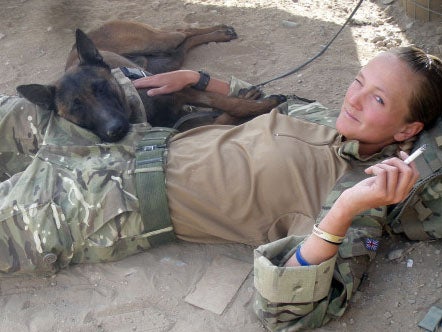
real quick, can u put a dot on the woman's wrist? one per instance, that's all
(339, 218)
(324, 242)
(191, 77)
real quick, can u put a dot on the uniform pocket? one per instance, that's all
(115, 249)
(35, 239)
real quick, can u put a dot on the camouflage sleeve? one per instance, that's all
(236, 85)
(74, 202)
(34, 233)
(311, 111)
(289, 299)
(22, 126)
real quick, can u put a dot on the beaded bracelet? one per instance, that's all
(330, 238)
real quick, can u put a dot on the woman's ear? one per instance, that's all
(408, 131)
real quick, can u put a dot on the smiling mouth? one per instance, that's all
(349, 115)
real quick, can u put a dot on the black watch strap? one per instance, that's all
(202, 82)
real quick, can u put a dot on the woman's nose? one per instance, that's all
(355, 99)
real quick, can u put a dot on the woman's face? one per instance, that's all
(376, 103)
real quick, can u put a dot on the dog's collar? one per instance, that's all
(132, 96)
(134, 73)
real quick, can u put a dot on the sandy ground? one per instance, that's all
(147, 292)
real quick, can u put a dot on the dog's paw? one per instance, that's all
(253, 93)
(230, 32)
(278, 99)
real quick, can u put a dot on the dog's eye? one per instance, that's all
(76, 104)
(99, 88)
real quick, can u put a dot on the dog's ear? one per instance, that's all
(87, 52)
(38, 94)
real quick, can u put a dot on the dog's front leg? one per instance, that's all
(236, 107)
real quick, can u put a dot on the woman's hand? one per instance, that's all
(167, 82)
(391, 182)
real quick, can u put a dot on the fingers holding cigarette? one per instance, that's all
(415, 154)
(395, 177)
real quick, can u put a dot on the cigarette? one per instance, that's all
(415, 154)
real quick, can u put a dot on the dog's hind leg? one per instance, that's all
(131, 38)
(167, 61)
(223, 33)
(189, 32)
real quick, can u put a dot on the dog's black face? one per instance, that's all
(90, 97)
(87, 95)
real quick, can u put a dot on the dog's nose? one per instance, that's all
(116, 131)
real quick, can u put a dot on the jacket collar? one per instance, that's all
(350, 150)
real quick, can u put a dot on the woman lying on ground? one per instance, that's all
(70, 199)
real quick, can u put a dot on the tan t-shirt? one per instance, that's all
(252, 183)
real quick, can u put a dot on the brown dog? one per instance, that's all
(88, 94)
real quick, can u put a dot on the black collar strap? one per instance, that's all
(134, 73)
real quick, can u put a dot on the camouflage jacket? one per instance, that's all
(65, 197)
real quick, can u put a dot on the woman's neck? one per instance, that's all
(368, 149)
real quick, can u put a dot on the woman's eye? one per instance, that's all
(379, 100)
(358, 81)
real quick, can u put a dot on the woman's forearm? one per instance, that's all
(177, 80)
(316, 250)
(218, 86)
(215, 85)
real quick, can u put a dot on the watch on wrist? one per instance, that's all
(202, 82)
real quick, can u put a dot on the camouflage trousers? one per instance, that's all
(64, 197)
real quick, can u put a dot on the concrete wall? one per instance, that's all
(423, 10)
